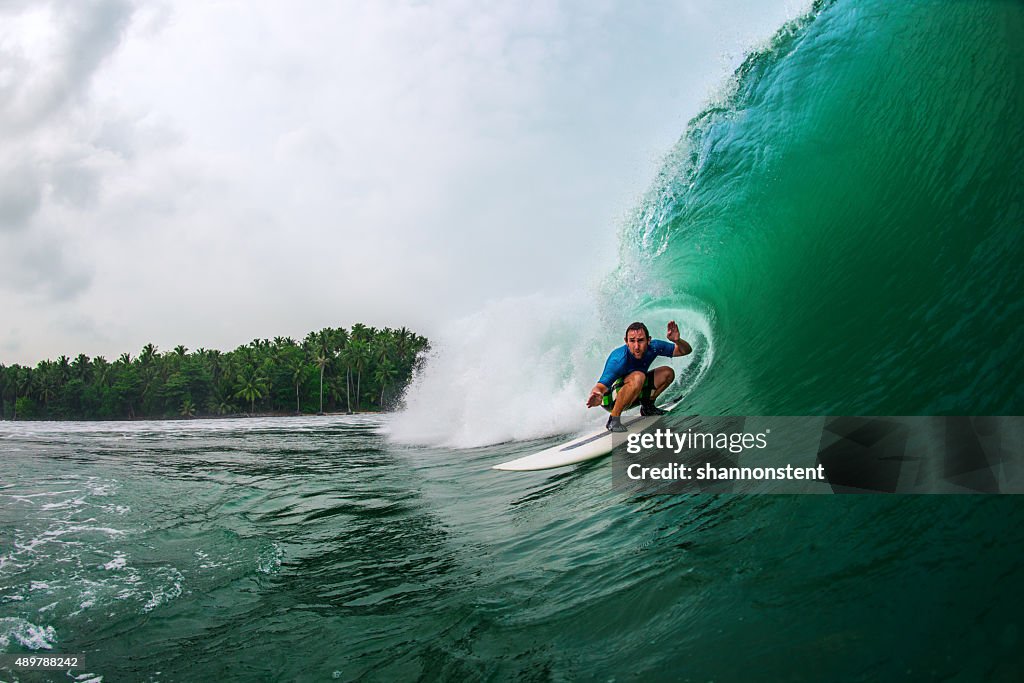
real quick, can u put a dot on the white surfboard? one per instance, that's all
(581, 448)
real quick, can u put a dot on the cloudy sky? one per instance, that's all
(204, 173)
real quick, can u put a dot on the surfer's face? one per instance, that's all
(637, 342)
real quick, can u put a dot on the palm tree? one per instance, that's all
(321, 345)
(188, 409)
(321, 361)
(359, 355)
(252, 387)
(309, 343)
(220, 402)
(214, 360)
(22, 385)
(63, 371)
(297, 369)
(47, 379)
(401, 341)
(80, 367)
(102, 370)
(8, 384)
(385, 374)
(147, 354)
(339, 345)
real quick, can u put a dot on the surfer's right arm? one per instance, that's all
(612, 370)
(596, 394)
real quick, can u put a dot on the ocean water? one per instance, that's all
(838, 232)
(312, 549)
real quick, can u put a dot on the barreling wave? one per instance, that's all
(849, 216)
(839, 231)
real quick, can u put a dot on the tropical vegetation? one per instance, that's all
(359, 369)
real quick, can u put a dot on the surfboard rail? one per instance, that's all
(579, 449)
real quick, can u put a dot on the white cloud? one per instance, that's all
(205, 173)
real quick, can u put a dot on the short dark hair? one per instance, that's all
(638, 326)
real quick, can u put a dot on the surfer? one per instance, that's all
(626, 373)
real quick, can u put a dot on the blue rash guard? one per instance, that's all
(621, 362)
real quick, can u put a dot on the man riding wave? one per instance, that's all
(626, 373)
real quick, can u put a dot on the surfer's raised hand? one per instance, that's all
(682, 347)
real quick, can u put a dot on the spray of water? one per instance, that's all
(522, 367)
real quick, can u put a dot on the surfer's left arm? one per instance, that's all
(682, 348)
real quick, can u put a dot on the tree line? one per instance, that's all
(331, 370)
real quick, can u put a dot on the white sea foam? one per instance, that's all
(66, 504)
(118, 562)
(28, 497)
(204, 561)
(97, 487)
(45, 494)
(519, 369)
(268, 559)
(26, 634)
(78, 528)
(170, 589)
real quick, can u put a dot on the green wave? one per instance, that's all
(848, 217)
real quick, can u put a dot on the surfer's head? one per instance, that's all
(637, 339)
